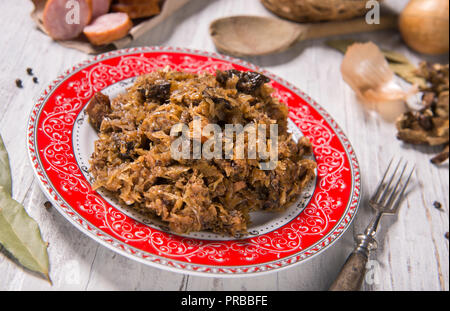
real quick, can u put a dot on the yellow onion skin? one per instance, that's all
(424, 25)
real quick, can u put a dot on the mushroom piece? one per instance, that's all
(430, 124)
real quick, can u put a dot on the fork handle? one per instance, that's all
(352, 273)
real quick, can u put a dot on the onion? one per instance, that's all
(424, 26)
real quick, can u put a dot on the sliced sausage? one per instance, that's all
(100, 7)
(108, 28)
(138, 9)
(97, 109)
(135, 1)
(66, 19)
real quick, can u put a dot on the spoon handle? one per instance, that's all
(358, 25)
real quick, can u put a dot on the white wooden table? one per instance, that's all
(413, 253)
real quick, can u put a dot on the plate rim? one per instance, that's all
(46, 185)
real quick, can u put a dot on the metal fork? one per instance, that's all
(386, 201)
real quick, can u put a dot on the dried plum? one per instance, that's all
(223, 76)
(249, 82)
(159, 92)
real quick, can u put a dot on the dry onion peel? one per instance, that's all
(367, 72)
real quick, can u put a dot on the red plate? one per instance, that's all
(60, 142)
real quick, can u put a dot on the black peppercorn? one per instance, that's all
(437, 205)
(48, 205)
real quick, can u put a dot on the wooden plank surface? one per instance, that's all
(413, 252)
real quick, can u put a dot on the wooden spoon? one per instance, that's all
(256, 35)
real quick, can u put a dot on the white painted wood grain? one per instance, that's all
(413, 253)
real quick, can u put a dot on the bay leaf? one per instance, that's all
(408, 73)
(396, 57)
(21, 237)
(5, 170)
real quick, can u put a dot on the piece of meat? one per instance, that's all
(100, 7)
(97, 109)
(108, 28)
(136, 9)
(65, 19)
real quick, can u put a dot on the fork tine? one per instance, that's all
(387, 190)
(380, 185)
(402, 193)
(394, 193)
